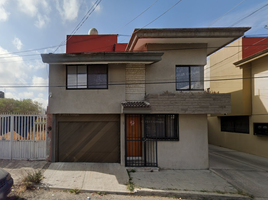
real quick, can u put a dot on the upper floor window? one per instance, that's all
(189, 77)
(87, 76)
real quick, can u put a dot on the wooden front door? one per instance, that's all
(133, 136)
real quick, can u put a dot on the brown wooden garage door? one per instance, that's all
(97, 140)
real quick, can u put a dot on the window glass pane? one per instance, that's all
(155, 126)
(182, 78)
(197, 77)
(242, 124)
(236, 124)
(227, 124)
(71, 77)
(97, 76)
(82, 77)
(171, 130)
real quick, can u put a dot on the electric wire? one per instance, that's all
(225, 13)
(136, 17)
(90, 11)
(137, 83)
(252, 13)
(164, 49)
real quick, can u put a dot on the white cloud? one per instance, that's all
(29, 7)
(36, 8)
(40, 95)
(41, 21)
(44, 102)
(98, 8)
(39, 81)
(10, 95)
(13, 71)
(38, 64)
(3, 13)
(26, 95)
(68, 9)
(17, 43)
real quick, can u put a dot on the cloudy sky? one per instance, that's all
(31, 27)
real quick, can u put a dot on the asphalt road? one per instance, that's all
(246, 172)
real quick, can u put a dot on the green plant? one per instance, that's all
(101, 193)
(130, 186)
(75, 191)
(32, 178)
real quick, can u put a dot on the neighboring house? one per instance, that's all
(243, 68)
(141, 104)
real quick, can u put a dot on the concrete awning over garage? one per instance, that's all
(215, 38)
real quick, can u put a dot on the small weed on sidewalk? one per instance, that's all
(75, 191)
(32, 178)
(130, 185)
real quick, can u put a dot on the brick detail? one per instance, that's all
(135, 82)
(190, 103)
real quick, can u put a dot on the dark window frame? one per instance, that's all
(235, 122)
(87, 88)
(167, 137)
(259, 129)
(189, 78)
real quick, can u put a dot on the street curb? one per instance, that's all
(165, 193)
(83, 190)
(228, 181)
(190, 194)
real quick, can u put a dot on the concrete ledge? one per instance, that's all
(143, 169)
(190, 194)
(83, 190)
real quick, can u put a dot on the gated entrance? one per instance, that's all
(23, 137)
(141, 150)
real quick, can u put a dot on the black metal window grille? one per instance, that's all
(261, 129)
(161, 127)
(189, 78)
(236, 124)
(87, 76)
(142, 134)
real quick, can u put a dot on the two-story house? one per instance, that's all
(141, 104)
(241, 70)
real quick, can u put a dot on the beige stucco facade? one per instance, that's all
(68, 101)
(146, 72)
(191, 152)
(249, 98)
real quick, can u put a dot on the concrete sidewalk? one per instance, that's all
(20, 168)
(103, 177)
(185, 183)
(248, 173)
(220, 182)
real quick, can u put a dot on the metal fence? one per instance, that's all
(23, 137)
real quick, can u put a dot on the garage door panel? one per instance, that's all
(89, 141)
